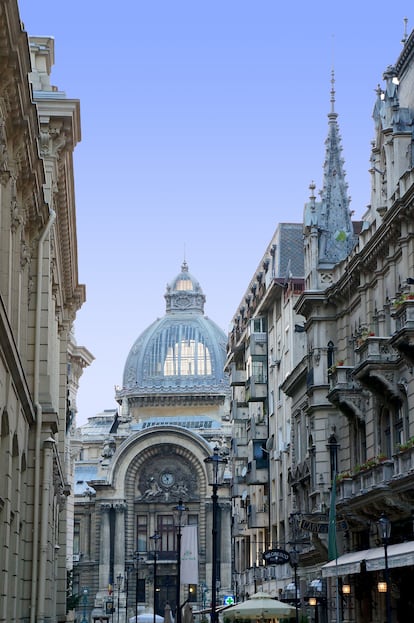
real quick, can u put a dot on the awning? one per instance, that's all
(399, 555)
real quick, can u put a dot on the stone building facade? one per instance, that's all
(39, 298)
(339, 439)
(137, 463)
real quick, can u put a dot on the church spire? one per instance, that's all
(329, 219)
(336, 232)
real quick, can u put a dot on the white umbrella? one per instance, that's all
(146, 617)
(260, 606)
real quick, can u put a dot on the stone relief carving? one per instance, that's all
(167, 479)
(109, 448)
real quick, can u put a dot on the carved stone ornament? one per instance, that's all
(168, 479)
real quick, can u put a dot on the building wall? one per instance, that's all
(342, 423)
(39, 298)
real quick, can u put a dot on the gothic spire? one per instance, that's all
(335, 226)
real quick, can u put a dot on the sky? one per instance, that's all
(203, 125)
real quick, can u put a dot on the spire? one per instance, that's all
(336, 237)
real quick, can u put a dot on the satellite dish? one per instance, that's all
(244, 471)
(244, 494)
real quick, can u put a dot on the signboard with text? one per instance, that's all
(276, 556)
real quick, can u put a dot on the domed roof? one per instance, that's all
(183, 352)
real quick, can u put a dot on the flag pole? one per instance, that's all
(332, 543)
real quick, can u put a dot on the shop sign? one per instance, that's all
(276, 556)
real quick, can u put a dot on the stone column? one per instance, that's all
(104, 549)
(119, 554)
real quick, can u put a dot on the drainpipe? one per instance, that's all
(38, 408)
(44, 524)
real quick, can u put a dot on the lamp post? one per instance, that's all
(119, 579)
(385, 529)
(179, 514)
(215, 467)
(155, 538)
(85, 602)
(294, 561)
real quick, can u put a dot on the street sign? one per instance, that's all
(276, 556)
(228, 600)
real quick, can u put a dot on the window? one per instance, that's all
(260, 454)
(166, 530)
(258, 325)
(142, 533)
(259, 369)
(76, 538)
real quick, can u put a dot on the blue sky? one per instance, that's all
(203, 124)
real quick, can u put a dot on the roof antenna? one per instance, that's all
(404, 39)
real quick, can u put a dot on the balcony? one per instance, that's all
(340, 378)
(403, 338)
(256, 388)
(345, 392)
(404, 462)
(258, 344)
(376, 351)
(376, 367)
(239, 526)
(371, 475)
(237, 375)
(257, 472)
(257, 516)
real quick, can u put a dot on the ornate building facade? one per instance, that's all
(336, 469)
(39, 298)
(138, 463)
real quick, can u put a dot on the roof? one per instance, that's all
(182, 353)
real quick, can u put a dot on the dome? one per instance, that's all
(183, 352)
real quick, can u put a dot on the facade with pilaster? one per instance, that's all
(39, 298)
(137, 462)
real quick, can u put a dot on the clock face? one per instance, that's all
(167, 479)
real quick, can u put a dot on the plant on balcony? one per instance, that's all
(370, 463)
(405, 446)
(363, 335)
(343, 475)
(408, 296)
(334, 366)
(381, 458)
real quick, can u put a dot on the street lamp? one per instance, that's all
(216, 465)
(85, 602)
(119, 579)
(179, 519)
(385, 529)
(155, 538)
(294, 561)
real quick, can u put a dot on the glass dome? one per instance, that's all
(182, 352)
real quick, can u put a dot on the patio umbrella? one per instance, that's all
(146, 617)
(260, 606)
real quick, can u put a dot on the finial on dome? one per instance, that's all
(184, 267)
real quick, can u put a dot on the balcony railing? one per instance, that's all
(404, 315)
(367, 478)
(404, 462)
(375, 350)
(340, 378)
